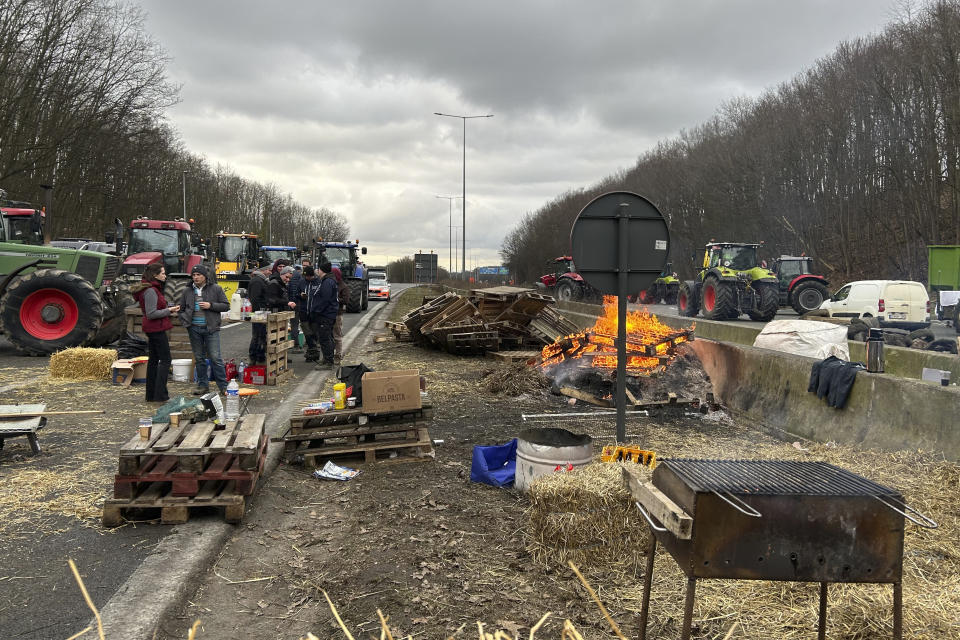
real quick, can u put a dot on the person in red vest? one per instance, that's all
(156, 322)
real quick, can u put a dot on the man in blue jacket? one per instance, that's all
(321, 306)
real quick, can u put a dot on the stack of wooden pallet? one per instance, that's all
(354, 433)
(486, 321)
(278, 342)
(178, 469)
(178, 336)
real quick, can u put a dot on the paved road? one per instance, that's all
(38, 596)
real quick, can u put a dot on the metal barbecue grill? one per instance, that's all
(773, 520)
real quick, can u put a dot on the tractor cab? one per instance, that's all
(346, 257)
(559, 266)
(269, 255)
(168, 240)
(737, 257)
(237, 256)
(20, 223)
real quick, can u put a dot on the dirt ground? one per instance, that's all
(438, 554)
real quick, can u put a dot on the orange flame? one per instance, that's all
(643, 330)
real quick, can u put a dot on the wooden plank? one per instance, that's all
(570, 392)
(221, 440)
(248, 437)
(659, 505)
(198, 437)
(137, 445)
(423, 438)
(170, 437)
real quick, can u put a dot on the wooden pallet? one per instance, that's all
(162, 469)
(372, 451)
(194, 444)
(349, 434)
(176, 509)
(514, 356)
(399, 331)
(278, 368)
(301, 424)
(476, 342)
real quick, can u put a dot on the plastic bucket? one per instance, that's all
(541, 451)
(182, 369)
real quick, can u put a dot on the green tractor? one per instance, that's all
(52, 298)
(731, 283)
(664, 289)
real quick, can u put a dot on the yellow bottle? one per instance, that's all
(339, 395)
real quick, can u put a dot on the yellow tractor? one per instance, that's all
(238, 255)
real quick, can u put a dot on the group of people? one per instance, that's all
(318, 296)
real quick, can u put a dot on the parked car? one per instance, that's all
(894, 303)
(379, 288)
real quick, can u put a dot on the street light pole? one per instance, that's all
(463, 266)
(184, 195)
(450, 200)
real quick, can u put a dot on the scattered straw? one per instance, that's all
(82, 363)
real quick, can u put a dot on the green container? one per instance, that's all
(943, 267)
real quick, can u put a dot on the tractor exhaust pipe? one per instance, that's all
(48, 209)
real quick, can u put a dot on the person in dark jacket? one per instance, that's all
(322, 307)
(343, 297)
(278, 299)
(293, 291)
(307, 290)
(200, 312)
(156, 322)
(257, 293)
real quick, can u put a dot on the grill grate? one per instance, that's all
(773, 478)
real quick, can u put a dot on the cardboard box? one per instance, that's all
(385, 391)
(126, 371)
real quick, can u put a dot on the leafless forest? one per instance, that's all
(83, 90)
(855, 161)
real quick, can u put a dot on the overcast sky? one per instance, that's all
(334, 101)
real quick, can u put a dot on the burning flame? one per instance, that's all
(598, 342)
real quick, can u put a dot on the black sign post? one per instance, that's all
(620, 243)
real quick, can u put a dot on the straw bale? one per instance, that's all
(82, 363)
(586, 516)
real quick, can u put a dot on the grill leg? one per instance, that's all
(822, 621)
(688, 609)
(897, 610)
(647, 582)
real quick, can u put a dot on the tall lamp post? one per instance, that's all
(463, 266)
(450, 200)
(184, 195)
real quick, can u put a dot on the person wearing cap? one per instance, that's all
(322, 307)
(200, 311)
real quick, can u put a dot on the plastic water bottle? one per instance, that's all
(232, 409)
(236, 306)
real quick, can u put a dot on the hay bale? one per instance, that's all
(586, 516)
(82, 363)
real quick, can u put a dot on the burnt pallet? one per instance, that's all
(167, 470)
(373, 451)
(549, 326)
(176, 509)
(194, 444)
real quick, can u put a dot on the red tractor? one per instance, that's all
(800, 288)
(171, 241)
(566, 284)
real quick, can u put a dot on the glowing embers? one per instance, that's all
(650, 343)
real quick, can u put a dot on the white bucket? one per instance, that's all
(540, 451)
(182, 369)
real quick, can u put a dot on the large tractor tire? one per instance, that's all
(114, 317)
(366, 296)
(49, 310)
(688, 304)
(718, 299)
(357, 289)
(568, 290)
(808, 296)
(670, 297)
(768, 303)
(173, 290)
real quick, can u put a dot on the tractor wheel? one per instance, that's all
(719, 299)
(671, 295)
(807, 296)
(366, 297)
(114, 317)
(567, 290)
(49, 310)
(687, 303)
(173, 290)
(357, 289)
(768, 303)
(645, 297)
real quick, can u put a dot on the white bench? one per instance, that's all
(29, 426)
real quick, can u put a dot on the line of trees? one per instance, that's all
(855, 161)
(83, 90)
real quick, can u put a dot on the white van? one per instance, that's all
(895, 303)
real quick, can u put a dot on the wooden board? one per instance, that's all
(369, 449)
(658, 505)
(176, 509)
(514, 356)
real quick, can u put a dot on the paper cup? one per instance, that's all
(351, 402)
(145, 432)
(175, 419)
